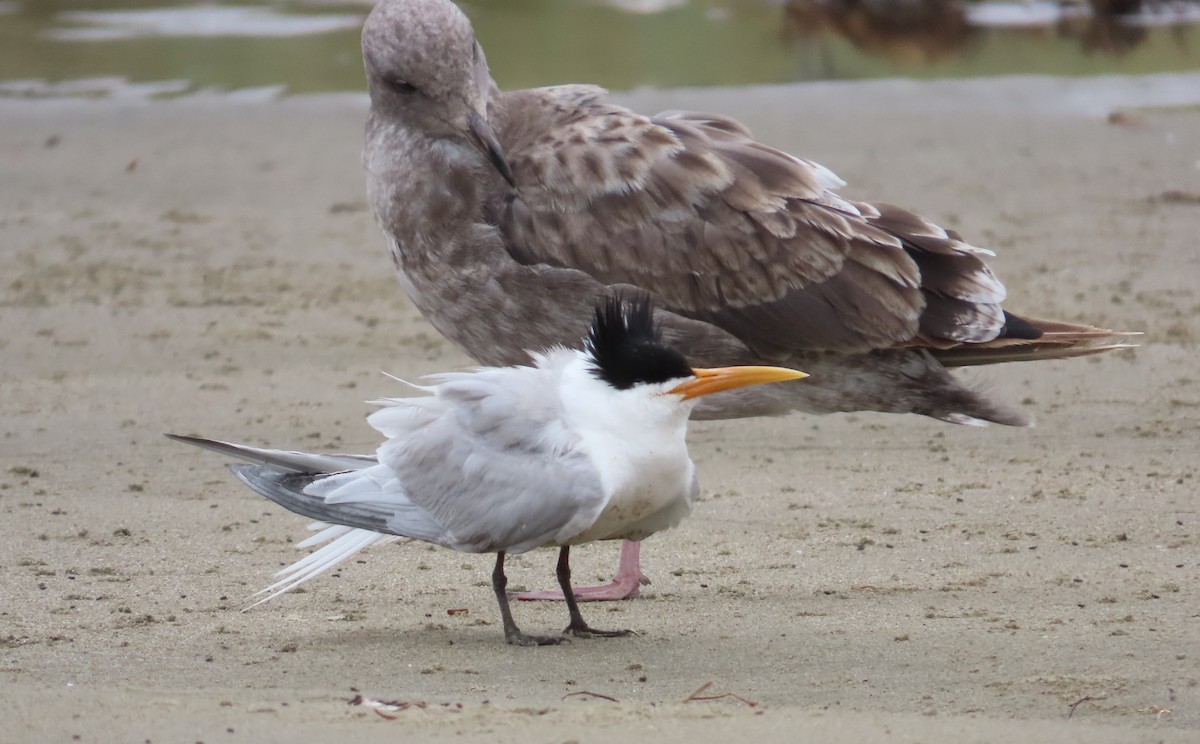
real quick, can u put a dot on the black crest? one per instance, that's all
(627, 346)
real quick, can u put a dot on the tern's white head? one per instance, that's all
(638, 379)
(625, 400)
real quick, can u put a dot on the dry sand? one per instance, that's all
(208, 266)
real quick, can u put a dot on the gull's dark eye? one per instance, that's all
(400, 86)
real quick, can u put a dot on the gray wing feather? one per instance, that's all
(296, 462)
(285, 478)
(291, 491)
(295, 481)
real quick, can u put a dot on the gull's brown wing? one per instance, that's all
(722, 228)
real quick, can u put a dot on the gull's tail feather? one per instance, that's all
(1035, 340)
(295, 462)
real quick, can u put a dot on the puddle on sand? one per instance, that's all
(211, 20)
(138, 48)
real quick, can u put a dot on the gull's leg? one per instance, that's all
(512, 633)
(625, 585)
(578, 627)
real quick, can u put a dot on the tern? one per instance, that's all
(582, 445)
(508, 213)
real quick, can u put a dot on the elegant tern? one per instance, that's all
(582, 445)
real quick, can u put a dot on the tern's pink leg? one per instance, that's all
(625, 585)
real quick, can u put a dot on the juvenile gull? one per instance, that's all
(581, 446)
(507, 213)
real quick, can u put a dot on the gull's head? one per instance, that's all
(422, 54)
(425, 68)
(626, 350)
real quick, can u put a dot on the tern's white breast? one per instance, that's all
(635, 439)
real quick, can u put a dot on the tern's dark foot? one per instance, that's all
(524, 639)
(583, 631)
(578, 627)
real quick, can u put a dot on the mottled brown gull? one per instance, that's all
(507, 213)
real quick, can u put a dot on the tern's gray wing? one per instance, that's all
(487, 458)
(282, 476)
(299, 482)
(296, 462)
(722, 228)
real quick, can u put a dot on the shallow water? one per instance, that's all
(158, 47)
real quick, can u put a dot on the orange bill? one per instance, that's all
(717, 379)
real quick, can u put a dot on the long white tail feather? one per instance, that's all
(313, 565)
(327, 532)
(333, 533)
(318, 555)
(341, 549)
(329, 556)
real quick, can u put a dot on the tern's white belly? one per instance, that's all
(657, 499)
(634, 441)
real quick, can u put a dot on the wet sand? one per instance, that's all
(208, 266)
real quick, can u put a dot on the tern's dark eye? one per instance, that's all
(400, 86)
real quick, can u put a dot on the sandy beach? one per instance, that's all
(207, 265)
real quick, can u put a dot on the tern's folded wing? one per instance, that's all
(490, 460)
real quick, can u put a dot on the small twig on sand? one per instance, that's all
(697, 697)
(1074, 705)
(591, 694)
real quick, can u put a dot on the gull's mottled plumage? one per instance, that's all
(508, 212)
